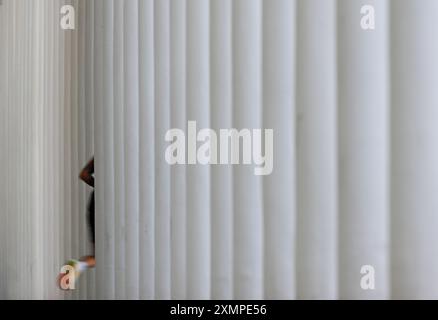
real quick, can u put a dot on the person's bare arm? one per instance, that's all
(87, 173)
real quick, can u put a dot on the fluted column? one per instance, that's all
(131, 142)
(316, 117)
(414, 151)
(90, 277)
(278, 115)
(363, 149)
(108, 216)
(198, 176)
(4, 25)
(83, 157)
(162, 169)
(221, 176)
(178, 119)
(147, 155)
(119, 159)
(247, 113)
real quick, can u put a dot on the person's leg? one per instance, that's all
(85, 262)
(90, 260)
(91, 224)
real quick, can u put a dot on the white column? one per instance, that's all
(316, 150)
(119, 167)
(198, 176)
(23, 49)
(38, 149)
(29, 126)
(131, 130)
(11, 208)
(90, 277)
(51, 150)
(279, 115)
(100, 160)
(247, 113)
(67, 227)
(4, 88)
(25, 150)
(162, 169)
(221, 175)
(61, 212)
(19, 163)
(45, 145)
(107, 218)
(75, 162)
(178, 119)
(414, 151)
(58, 139)
(147, 154)
(363, 149)
(82, 155)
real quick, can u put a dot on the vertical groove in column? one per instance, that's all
(16, 136)
(28, 150)
(4, 25)
(131, 129)
(18, 158)
(10, 217)
(107, 112)
(247, 113)
(29, 157)
(279, 115)
(82, 156)
(27, 75)
(221, 176)
(25, 154)
(64, 209)
(198, 176)
(11, 138)
(162, 169)
(67, 226)
(316, 150)
(29, 162)
(3, 97)
(47, 165)
(100, 161)
(18, 164)
(34, 147)
(119, 167)
(8, 168)
(90, 279)
(74, 140)
(19, 146)
(51, 120)
(147, 154)
(178, 119)
(414, 150)
(24, 150)
(363, 149)
(44, 144)
(40, 40)
(58, 138)
(2, 147)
